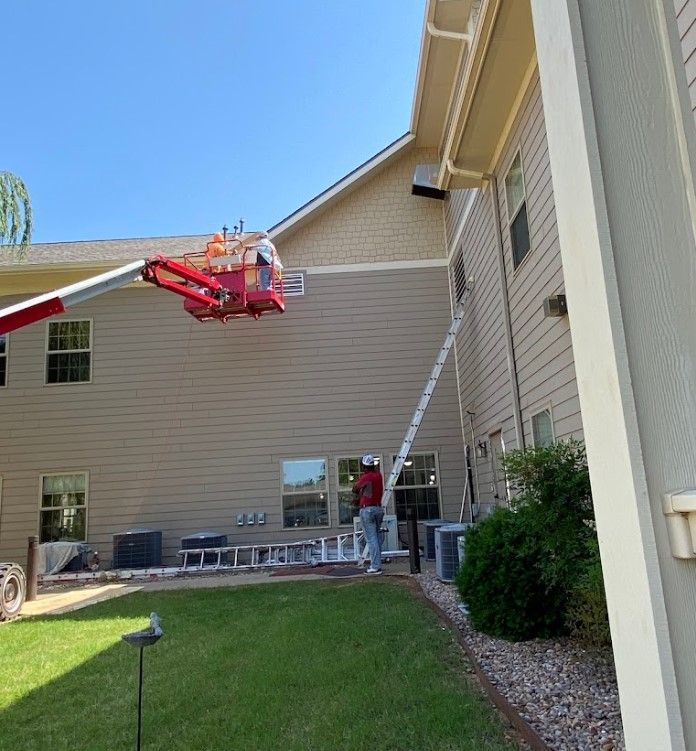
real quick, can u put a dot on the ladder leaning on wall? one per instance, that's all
(422, 406)
(424, 401)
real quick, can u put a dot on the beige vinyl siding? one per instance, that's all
(543, 348)
(480, 346)
(455, 206)
(185, 424)
(686, 26)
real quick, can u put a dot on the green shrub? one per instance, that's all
(526, 567)
(500, 582)
(586, 614)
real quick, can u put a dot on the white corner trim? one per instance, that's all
(454, 243)
(345, 268)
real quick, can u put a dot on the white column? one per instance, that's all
(621, 143)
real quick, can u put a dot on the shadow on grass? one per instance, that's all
(298, 666)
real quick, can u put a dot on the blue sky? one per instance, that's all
(171, 117)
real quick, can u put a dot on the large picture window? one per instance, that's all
(63, 514)
(418, 486)
(3, 360)
(517, 211)
(349, 470)
(69, 352)
(305, 493)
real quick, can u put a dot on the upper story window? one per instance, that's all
(349, 469)
(542, 428)
(3, 360)
(69, 352)
(517, 211)
(418, 486)
(305, 493)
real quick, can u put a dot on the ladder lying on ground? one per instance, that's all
(337, 549)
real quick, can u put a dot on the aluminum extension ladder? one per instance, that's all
(424, 400)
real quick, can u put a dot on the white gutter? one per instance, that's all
(443, 34)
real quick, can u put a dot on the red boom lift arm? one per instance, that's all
(157, 270)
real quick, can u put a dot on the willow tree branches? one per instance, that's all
(15, 212)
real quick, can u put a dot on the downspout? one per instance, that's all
(459, 399)
(512, 368)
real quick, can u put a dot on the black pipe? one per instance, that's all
(412, 533)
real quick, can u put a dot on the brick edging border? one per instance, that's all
(524, 729)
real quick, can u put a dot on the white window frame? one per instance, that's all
(6, 356)
(438, 485)
(340, 488)
(545, 408)
(283, 492)
(67, 351)
(42, 508)
(511, 218)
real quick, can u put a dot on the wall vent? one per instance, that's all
(293, 284)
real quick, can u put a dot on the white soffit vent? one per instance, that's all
(293, 284)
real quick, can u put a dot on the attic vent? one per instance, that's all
(293, 284)
(458, 276)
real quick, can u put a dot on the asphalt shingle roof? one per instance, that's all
(102, 250)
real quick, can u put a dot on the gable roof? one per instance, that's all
(343, 187)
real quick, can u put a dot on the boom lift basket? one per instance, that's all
(253, 284)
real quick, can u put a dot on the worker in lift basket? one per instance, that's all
(267, 260)
(368, 489)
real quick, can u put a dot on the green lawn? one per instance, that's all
(295, 666)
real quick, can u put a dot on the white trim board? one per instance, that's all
(345, 268)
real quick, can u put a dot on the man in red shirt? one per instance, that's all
(369, 488)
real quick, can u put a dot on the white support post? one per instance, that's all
(622, 145)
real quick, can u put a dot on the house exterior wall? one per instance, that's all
(378, 221)
(185, 424)
(686, 26)
(542, 346)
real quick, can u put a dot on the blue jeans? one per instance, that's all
(265, 277)
(371, 518)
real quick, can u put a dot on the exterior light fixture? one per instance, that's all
(481, 450)
(555, 306)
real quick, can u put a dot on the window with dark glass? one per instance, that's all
(305, 494)
(63, 514)
(517, 211)
(68, 353)
(418, 486)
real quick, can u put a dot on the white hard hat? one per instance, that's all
(368, 460)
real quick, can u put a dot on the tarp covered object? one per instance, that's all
(55, 556)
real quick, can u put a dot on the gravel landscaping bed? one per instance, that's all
(567, 694)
